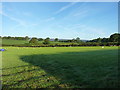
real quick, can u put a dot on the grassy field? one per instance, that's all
(17, 42)
(60, 67)
(13, 42)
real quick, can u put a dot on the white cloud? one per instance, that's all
(78, 13)
(65, 7)
(19, 21)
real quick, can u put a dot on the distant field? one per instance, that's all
(17, 42)
(13, 42)
(60, 67)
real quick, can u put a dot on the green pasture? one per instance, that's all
(60, 67)
(14, 42)
(18, 42)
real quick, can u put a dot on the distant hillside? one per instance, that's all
(13, 42)
(85, 40)
(67, 39)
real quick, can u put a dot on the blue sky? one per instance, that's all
(87, 20)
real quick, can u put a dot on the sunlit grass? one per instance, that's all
(49, 67)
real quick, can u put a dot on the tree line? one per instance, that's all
(114, 39)
(47, 40)
(15, 38)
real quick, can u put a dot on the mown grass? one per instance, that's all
(60, 67)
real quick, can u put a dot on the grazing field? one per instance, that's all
(17, 42)
(13, 42)
(60, 67)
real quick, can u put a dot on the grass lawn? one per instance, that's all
(60, 67)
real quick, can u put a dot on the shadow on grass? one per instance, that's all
(93, 69)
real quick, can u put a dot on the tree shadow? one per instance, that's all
(81, 69)
(92, 69)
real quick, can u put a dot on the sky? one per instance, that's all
(64, 20)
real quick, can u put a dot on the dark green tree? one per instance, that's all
(99, 39)
(46, 41)
(73, 40)
(33, 41)
(115, 37)
(105, 40)
(56, 39)
(40, 39)
(26, 38)
(9, 37)
(48, 38)
(77, 39)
